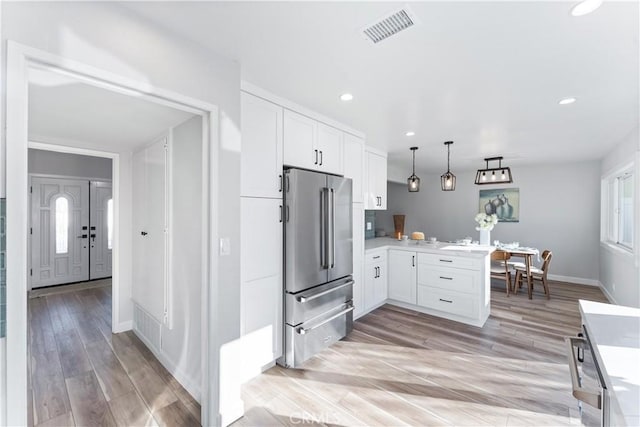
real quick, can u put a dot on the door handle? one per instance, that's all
(303, 331)
(305, 298)
(332, 206)
(316, 162)
(93, 237)
(143, 233)
(320, 157)
(280, 184)
(280, 213)
(592, 398)
(83, 236)
(324, 214)
(413, 261)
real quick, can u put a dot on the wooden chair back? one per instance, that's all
(499, 255)
(546, 260)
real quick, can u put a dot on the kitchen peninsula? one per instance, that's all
(441, 279)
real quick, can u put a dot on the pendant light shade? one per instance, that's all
(413, 182)
(448, 180)
(499, 175)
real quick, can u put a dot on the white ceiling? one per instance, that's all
(487, 75)
(63, 109)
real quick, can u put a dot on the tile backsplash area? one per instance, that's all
(369, 224)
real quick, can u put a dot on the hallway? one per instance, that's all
(82, 374)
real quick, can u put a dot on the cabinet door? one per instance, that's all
(300, 135)
(402, 276)
(380, 285)
(370, 279)
(353, 158)
(376, 181)
(358, 259)
(329, 146)
(261, 276)
(261, 157)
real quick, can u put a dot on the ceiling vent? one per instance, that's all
(389, 25)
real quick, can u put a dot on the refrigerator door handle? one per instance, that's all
(324, 228)
(332, 234)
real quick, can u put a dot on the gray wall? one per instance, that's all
(52, 163)
(559, 210)
(620, 271)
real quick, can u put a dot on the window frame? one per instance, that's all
(612, 227)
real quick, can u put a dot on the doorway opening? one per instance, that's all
(91, 340)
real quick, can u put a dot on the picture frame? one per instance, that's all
(504, 202)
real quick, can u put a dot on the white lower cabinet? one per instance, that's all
(261, 278)
(375, 282)
(402, 276)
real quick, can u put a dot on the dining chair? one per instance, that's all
(536, 274)
(500, 269)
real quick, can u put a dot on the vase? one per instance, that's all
(398, 223)
(485, 237)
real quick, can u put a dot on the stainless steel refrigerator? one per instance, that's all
(318, 263)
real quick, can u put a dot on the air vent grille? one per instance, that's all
(389, 25)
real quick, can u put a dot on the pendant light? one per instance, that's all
(499, 175)
(413, 182)
(448, 180)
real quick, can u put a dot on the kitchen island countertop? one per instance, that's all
(614, 332)
(476, 251)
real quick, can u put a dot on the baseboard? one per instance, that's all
(577, 280)
(606, 293)
(179, 375)
(123, 327)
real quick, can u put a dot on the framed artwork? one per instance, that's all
(504, 202)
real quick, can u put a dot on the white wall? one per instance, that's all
(620, 271)
(109, 37)
(52, 163)
(182, 344)
(559, 210)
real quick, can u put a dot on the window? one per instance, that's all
(62, 225)
(618, 194)
(110, 224)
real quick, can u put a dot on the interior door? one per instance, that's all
(60, 231)
(100, 229)
(150, 220)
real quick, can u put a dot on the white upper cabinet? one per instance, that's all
(376, 192)
(261, 159)
(330, 149)
(353, 158)
(310, 144)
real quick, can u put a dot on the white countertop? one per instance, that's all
(422, 246)
(614, 332)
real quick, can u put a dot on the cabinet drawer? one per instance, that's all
(453, 279)
(450, 261)
(375, 257)
(450, 302)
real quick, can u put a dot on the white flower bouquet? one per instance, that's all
(486, 222)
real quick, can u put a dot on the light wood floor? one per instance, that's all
(82, 374)
(400, 367)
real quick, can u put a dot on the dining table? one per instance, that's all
(522, 252)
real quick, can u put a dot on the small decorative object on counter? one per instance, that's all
(417, 235)
(485, 225)
(398, 223)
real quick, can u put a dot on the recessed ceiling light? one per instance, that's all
(410, 133)
(346, 97)
(585, 7)
(565, 101)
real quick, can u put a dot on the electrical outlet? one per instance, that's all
(369, 226)
(225, 246)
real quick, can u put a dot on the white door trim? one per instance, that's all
(19, 59)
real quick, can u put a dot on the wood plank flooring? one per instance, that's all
(400, 367)
(82, 374)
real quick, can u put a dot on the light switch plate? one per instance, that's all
(225, 246)
(368, 226)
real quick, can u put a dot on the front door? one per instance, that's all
(60, 231)
(100, 230)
